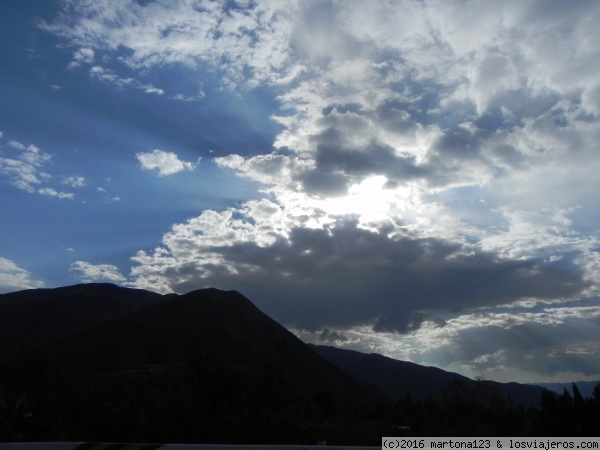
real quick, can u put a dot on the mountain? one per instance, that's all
(34, 316)
(213, 323)
(397, 378)
(102, 363)
(586, 388)
(98, 362)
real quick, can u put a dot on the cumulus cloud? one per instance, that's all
(167, 163)
(430, 107)
(341, 274)
(97, 272)
(14, 278)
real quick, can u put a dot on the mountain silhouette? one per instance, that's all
(586, 388)
(98, 362)
(397, 378)
(34, 316)
(223, 324)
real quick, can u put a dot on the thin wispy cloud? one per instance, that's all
(25, 168)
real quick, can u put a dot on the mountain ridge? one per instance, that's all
(54, 313)
(70, 312)
(98, 362)
(224, 321)
(396, 378)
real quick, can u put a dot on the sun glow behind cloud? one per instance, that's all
(369, 200)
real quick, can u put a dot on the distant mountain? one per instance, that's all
(34, 316)
(397, 378)
(586, 388)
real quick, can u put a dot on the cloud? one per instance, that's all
(537, 342)
(340, 274)
(109, 76)
(82, 56)
(167, 163)
(19, 174)
(97, 272)
(431, 160)
(149, 89)
(332, 336)
(13, 278)
(17, 145)
(30, 154)
(52, 193)
(544, 343)
(430, 107)
(24, 168)
(142, 37)
(74, 181)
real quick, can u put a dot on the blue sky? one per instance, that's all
(417, 179)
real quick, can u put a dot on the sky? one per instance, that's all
(415, 178)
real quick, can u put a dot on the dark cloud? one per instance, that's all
(332, 336)
(537, 346)
(346, 152)
(349, 148)
(344, 276)
(324, 183)
(400, 323)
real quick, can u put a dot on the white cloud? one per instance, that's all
(53, 193)
(97, 272)
(74, 181)
(167, 163)
(109, 76)
(82, 56)
(385, 70)
(13, 278)
(20, 174)
(177, 33)
(24, 168)
(149, 89)
(17, 145)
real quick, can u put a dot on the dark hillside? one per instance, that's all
(206, 366)
(34, 316)
(103, 363)
(397, 378)
(213, 322)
